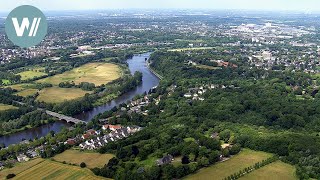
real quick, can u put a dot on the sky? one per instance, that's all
(59, 5)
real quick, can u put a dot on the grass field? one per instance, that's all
(20, 167)
(20, 87)
(58, 95)
(4, 107)
(27, 92)
(25, 75)
(221, 170)
(5, 81)
(97, 73)
(24, 90)
(91, 159)
(275, 171)
(55, 170)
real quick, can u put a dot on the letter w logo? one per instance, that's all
(25, 25)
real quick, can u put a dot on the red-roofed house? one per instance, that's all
(114, 127)
(86, 136)
(71, 142)
(91, 132)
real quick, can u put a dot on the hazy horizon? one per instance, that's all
(250, 5)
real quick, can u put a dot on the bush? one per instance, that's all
(9, 176)
(83, 165)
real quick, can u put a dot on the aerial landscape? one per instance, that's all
(200, 90)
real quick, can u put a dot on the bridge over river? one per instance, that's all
(61, 117)
(64, 117)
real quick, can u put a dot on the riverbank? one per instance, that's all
(153, 71)
(136, 63)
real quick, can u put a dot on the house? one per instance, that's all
(215, 135)
(105, 127)
(22, 158)
(92, 132)
(188, 95)
(86, 136)
(32, 154)
(114, 127)
(165, 160)
(70, 142)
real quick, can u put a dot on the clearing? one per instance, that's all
(55, 170)
(275, 171)
(4, 107)
(92, 160)
(236, 163)
(97, 73)
(25, 75)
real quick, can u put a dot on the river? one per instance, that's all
(136, 63)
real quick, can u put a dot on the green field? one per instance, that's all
(92, 160)
(275, 171)
(25, 75)
(55, 170)
(97, 73)
(5, 81)
(58, 95)
(20, 167)
(4, 107)
(221, 170)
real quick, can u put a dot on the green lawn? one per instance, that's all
(275, 171)
(238, 162)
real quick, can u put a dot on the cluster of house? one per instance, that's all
(136, 106)
(94, 141)
(197, 92)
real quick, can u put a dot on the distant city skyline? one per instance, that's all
(62, 5)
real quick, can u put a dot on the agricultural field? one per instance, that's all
(92, 160)
(4, 107)
(55, 170)
(20, 167)
(58, 95)
(25, 75)
(97, 73)
(236, 163)
(275, 171)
